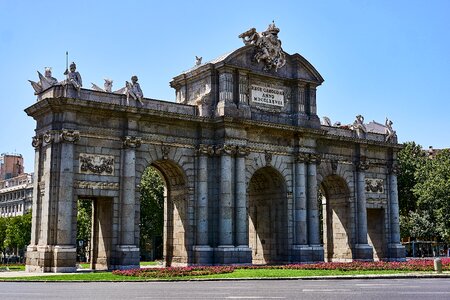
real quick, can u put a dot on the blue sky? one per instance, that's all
(378, 58)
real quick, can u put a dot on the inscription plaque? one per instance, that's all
(267, 95)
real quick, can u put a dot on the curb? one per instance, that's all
(342, 277)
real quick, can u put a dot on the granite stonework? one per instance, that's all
(244, 158)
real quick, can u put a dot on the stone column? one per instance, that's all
(66, 235)
(202, 196)
(363, 249)
(396, 249)
(37, 142)
(226, 105)
(129, 252)
(241, 199)
(32, 262)
(313, 212)
(202, 249)
(301, 225)
(226, 203)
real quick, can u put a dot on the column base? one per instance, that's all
(396, 252)
(57, 259)
(126, 257)
(226, 255)
(307, 253)
(203, 255)
(363, 252)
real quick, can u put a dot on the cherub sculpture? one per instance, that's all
(44, 81)
(133, 90)
(389, 131)
(359, 127)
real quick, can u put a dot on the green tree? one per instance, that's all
(432, 192)
(3, 226)
(18, 233)
(410, 159)
(152, 206)
(84, 226)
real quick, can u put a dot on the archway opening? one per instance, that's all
(375, 232)
(165, 214)
(151, 225)
(267, 200)
(94, 232)
(334, 197)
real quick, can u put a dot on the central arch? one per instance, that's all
(336, 216)
(175, 249)
(267, 201)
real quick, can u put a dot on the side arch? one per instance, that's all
(176, 169)
(268, 211)
(337, 218)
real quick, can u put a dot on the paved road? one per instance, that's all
(386, 289)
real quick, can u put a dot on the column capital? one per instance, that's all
(242, 151)
(48, 137)
(314, 158)
(225, 150)
(301, 157)
(36, 141)
(132, 142)
(393, 168)
(69, 135)
(204, 149)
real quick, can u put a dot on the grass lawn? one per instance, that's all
(238, 273)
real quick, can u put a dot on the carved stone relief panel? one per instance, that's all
(96, 164)
(374, 185)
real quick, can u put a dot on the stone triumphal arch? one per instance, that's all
(252, 176)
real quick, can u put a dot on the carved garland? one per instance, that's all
(96, 185)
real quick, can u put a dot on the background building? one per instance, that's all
(16, 187)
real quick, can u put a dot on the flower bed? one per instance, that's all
(410, 265)
(175, 271)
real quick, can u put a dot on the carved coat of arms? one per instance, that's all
(268, 47)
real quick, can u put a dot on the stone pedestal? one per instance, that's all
(363, 252)
(307, 253)
(51, 259)
(203, 255)
(225, 255)
(127, 257)
(396, 252)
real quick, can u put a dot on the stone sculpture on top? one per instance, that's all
(268, 47)
(44, 81)
(133, 90)
(390, 133)
(107, 86)
(359, 127)
(73, 77)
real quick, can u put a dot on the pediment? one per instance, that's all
(296, 67)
